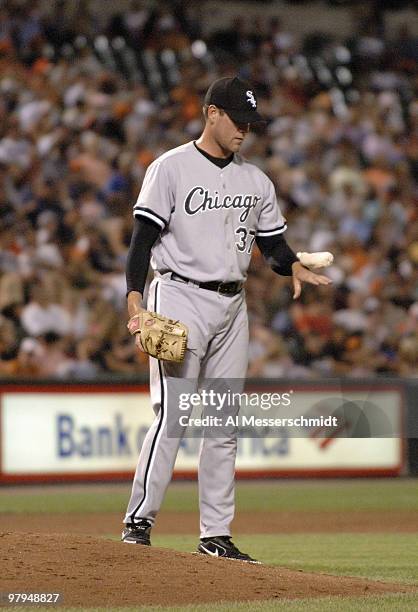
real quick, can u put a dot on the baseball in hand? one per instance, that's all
(316, 260)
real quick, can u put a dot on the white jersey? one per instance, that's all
(209, 216)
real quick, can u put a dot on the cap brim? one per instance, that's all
(244, 116)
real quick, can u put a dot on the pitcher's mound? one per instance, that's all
(91, 572)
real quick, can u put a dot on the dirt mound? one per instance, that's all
(89, 571)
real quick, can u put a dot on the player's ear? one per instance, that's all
(211, 113)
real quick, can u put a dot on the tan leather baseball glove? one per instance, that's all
(160, 337)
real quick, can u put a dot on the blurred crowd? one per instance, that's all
(340, 144)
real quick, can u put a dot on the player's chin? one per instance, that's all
(236, 144)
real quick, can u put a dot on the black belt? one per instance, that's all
(223, 288)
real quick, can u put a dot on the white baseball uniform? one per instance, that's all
(209, 218)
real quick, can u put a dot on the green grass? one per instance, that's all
(269, 496)
(389, 603)
(385, 603)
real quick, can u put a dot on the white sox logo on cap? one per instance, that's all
(251, 99)
(236, 97)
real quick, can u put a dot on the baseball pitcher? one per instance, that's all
(200, 210)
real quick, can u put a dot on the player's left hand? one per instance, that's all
(303, 275)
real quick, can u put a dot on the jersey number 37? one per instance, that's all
(245, 240)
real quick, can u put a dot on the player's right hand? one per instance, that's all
(303, 275)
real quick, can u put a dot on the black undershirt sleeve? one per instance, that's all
(144, 235)
(277, 253)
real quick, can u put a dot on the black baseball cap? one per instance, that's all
(236, 97)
